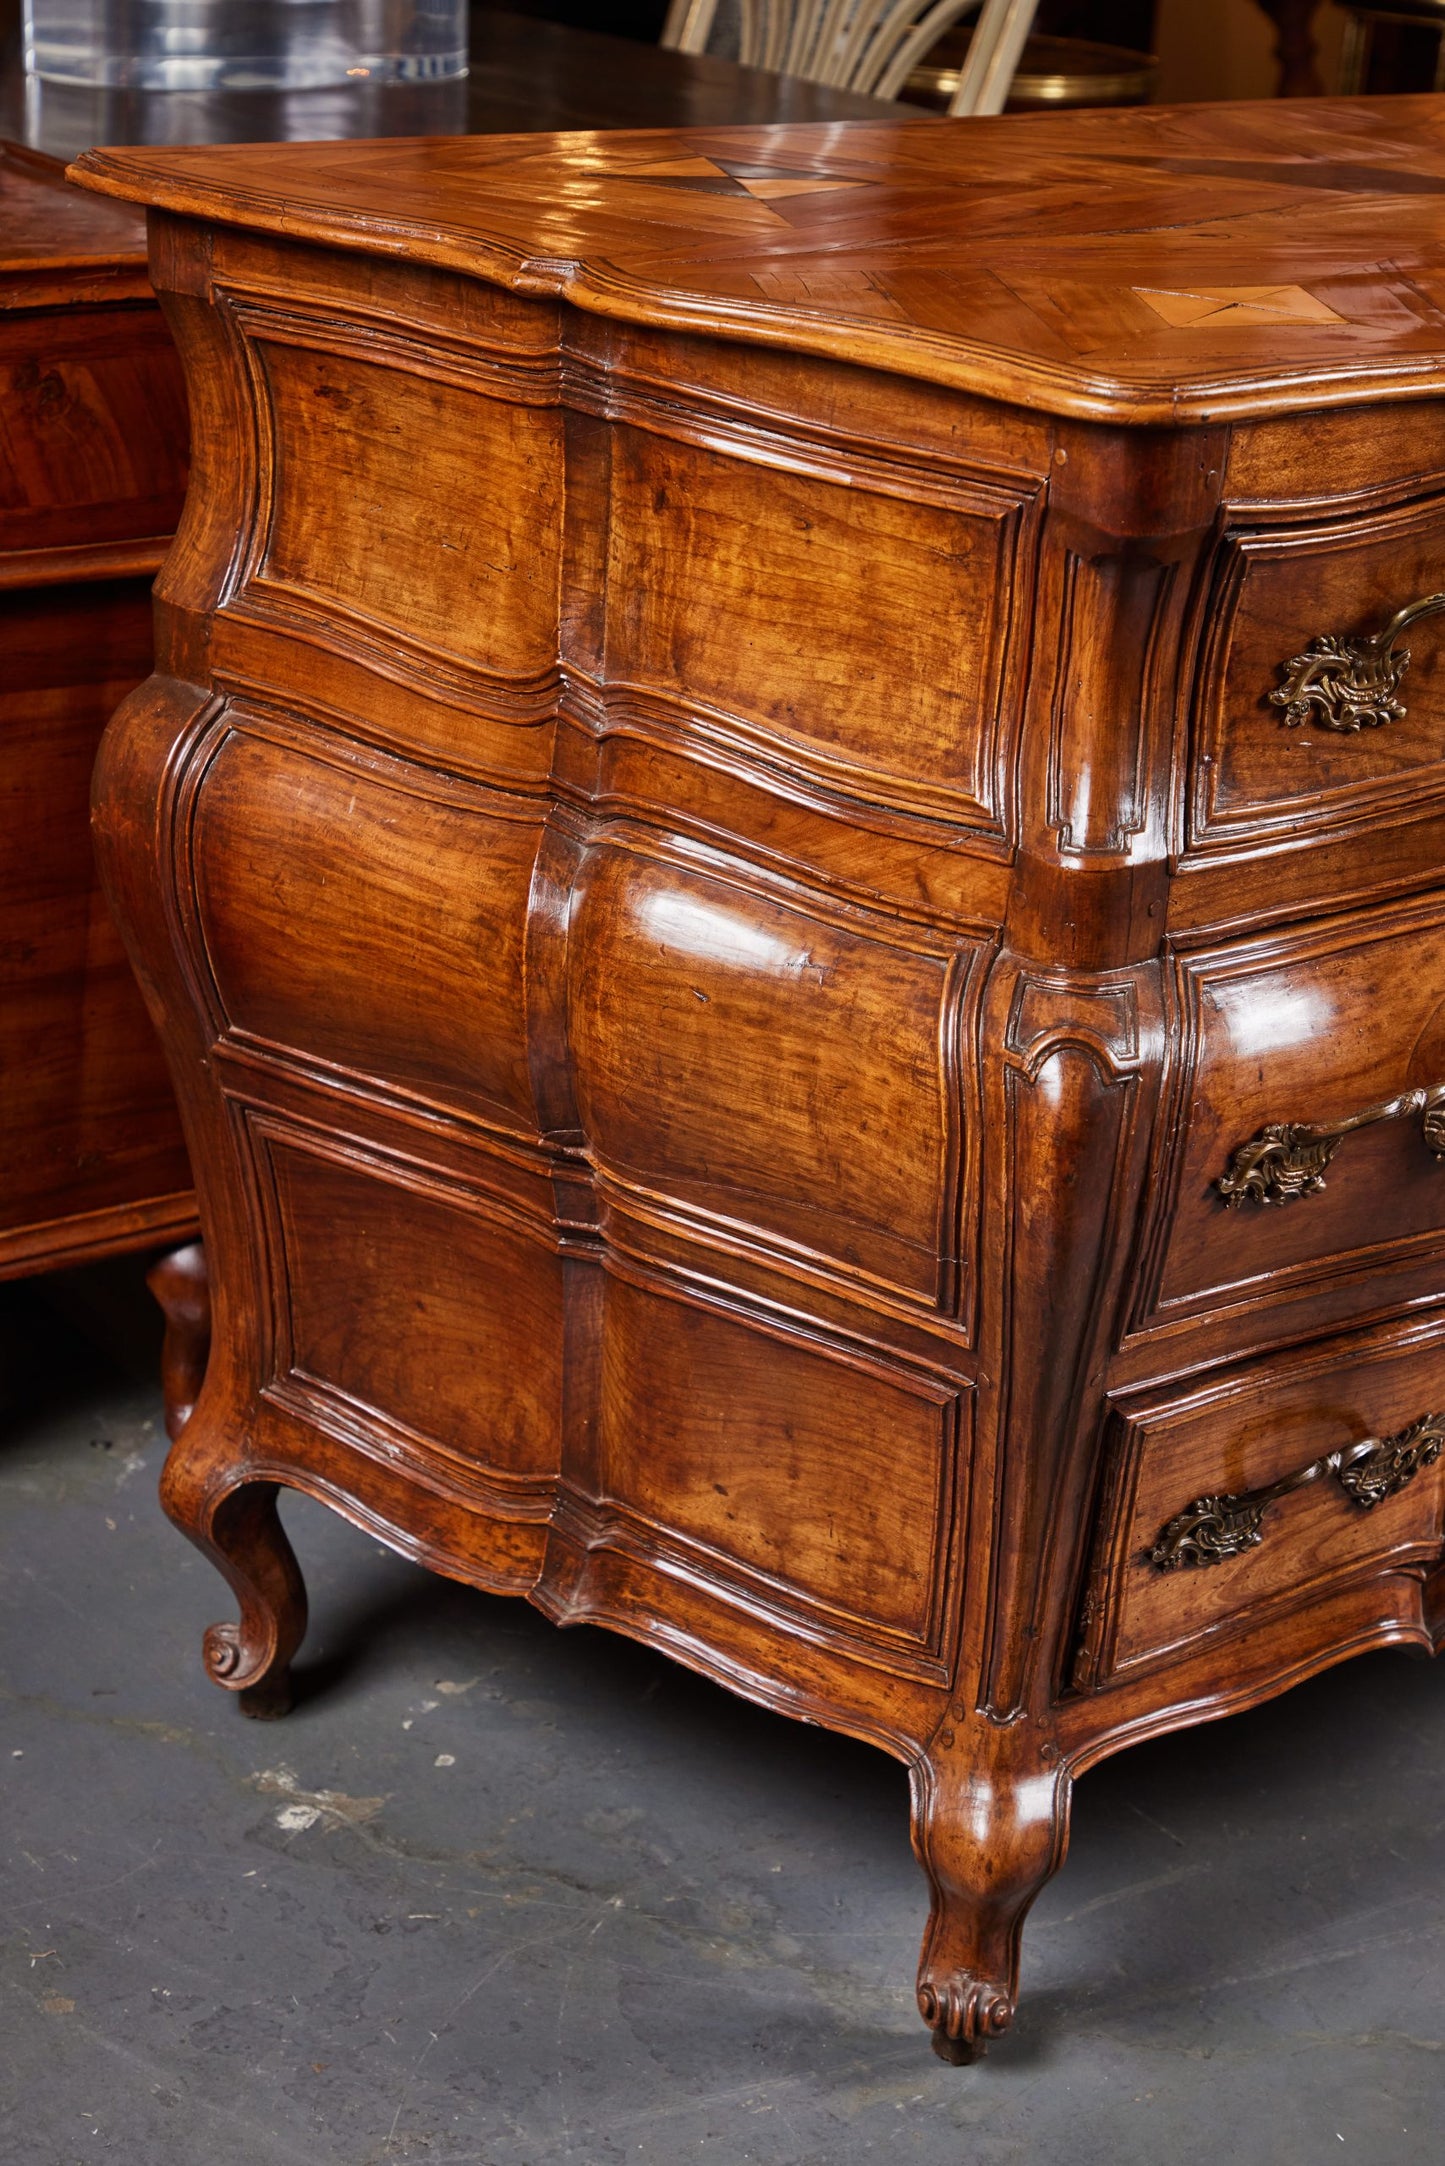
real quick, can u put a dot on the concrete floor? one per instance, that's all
(505, 1895)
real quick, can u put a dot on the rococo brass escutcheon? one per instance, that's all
(1289, 1158)
(1347, 685)
(1212, 1528)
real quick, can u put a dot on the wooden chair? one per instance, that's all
(868, 45)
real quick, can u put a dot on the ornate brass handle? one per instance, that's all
(1289, 1158)
(1351, 684)
(1213, 1528)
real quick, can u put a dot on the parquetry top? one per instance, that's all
(1143, 264)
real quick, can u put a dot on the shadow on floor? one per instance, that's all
(507, 1896)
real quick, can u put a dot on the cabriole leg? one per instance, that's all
(180, 1285)
(241, 1532)
(988, 1832)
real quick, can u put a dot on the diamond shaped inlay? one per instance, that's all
(1194, 305)
(727, 177)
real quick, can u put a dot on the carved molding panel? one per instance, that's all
(1305, 1062)
(1211, 1529)
(1113, 610)
(1301, 1474)
(934, 573)
(1301, 666)
(713, 1428)
(1288, 1159)
(716, 1026)
(419, 991)
(374, 463)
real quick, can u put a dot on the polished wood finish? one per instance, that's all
(1007, 283)
(92, 473)
(91, 482)
(182, 1288)
(725, 891)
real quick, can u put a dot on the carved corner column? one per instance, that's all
(1068, 1104)
(1073, 1039)
(1073, 1028)
(151, 759)
(1074, 1088)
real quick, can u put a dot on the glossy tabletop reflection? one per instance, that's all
(1210, 258)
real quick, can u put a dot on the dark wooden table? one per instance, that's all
(526, 75)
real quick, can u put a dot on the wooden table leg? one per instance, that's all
(1294, 47)
(180, 1285)
(236, 1526)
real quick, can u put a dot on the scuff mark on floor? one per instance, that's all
(311, 1808)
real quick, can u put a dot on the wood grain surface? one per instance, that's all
(92, 472)
(787, 842)
(1141, 264)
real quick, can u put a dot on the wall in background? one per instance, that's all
(621, 18)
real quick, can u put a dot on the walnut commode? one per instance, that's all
(788, 847)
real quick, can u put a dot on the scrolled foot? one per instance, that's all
(266, 1695)
(956, 2052)
(989, 1825)
(964, 2013)
(241, 1532)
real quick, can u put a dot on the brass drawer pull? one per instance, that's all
(1289, 1158)
(1213, 1528)
(1351, 684)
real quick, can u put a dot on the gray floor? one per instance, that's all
(501, 1894)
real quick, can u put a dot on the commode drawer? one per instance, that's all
(1254, 1493)
(1303, 1145)
(1321, 693)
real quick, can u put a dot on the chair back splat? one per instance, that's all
(866, 45)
